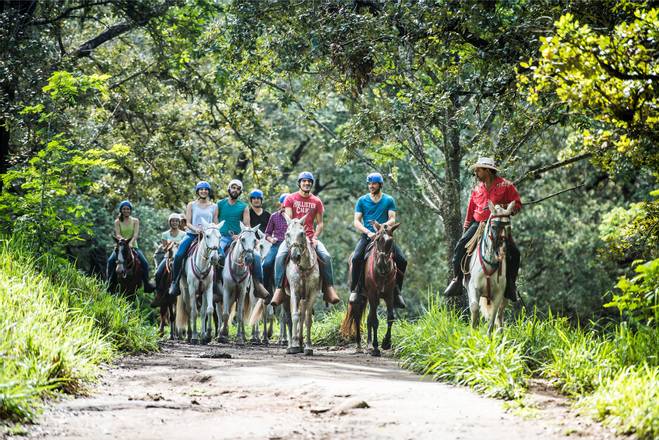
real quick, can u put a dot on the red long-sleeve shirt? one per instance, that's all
(501, 193)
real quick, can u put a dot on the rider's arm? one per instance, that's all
(117, 232)
(357, 222)
(188, 214)
(246, 217)
(470, 213)
(215, 215)
(513, 195)
(392, 217)
(289, 212)
(136, 232)
(319, 225)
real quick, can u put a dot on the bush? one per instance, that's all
(58, 326)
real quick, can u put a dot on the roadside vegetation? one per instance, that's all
(58, 326)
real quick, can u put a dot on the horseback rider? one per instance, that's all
(196, 211)
(297, 205)
(275, 232)
(173, 234)
(257, 215)
(376, 206)
(128, 227)
(499, 191)
(233, 211)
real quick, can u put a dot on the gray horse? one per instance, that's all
(236, 278)
(303, 277)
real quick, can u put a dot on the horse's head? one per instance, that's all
(124, 256)
(171, 249)
(296, 238)
(249, 241)
(384, 243)
(209, 237)
(499, 221)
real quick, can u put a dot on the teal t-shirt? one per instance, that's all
(375, 211)
(231, 214)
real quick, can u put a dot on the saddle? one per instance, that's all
(470, 247)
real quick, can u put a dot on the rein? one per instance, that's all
(196, 271)
(239, 264)
(495, 265)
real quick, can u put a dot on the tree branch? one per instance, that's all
(535, 172)
(553, 195)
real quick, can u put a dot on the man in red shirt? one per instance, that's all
(500, 191)
(297, 205)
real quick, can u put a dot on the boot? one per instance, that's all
(278, 297)
(260, 291)
(511, 290)
(175, 288)
(148, 287)
(329, 295)
(399, 302)
(454, 288)
(157, 301)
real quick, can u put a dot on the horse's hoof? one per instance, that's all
(205, 341)
(308, 352)
(194, 341)
(283, 342)
(240, 342)
(254, 341)
(293, 350)
(266, 343)
(386, 345)
(223, 340)
(376, 352)
(359, 350)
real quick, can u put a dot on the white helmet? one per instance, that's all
(235, 182)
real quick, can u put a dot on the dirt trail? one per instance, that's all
(199, 392)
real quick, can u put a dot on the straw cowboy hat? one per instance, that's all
(485, 162)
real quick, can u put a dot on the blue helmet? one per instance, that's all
(283, 197)
(375, 178)
(125, 203)
(305, 175)
(202, 185)
(256, 194)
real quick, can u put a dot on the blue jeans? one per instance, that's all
(112, 267)
(269, 266)
(180, 254)
(326, 272)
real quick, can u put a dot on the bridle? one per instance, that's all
(125, 262)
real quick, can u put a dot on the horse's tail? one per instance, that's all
(257, 313)
(351, 320)
(181, 315)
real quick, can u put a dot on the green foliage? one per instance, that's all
(628, 402)
(638, 297)
(58, 326)
(609, 77)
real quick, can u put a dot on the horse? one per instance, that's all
(236, 277)
(197, 279)
(303, 276)
(128, 268)
(379, 283)
(486, 283)
(166, 301)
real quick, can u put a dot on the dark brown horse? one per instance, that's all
(166, 302)
(379, 283)
(128, 269)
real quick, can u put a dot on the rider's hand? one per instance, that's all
(370, 235)
(314, 241)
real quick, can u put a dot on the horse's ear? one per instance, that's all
(220, 224)
(490, 206)
(376, 225)
(259, 234)
(204, 223)
(392, 228)
(157, 245)
(115, 238)
(256, 228)
(511, 206)
(304, 217)
(287, 218)
(243, 227)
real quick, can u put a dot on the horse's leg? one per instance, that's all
(172, 320)
(294, 335)
(206, 313)
(498, 300)
(265, 336)
(240, 308)
(192, 291)
(163, 318)
(373, 323)
(386, 342)
(226, 307)
(500, 312)
(308, 315)
(474, 300)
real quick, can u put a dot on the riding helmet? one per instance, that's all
(375, 178)
(256, 194)
(235, 182)
(202, 185)
(305, 175)
(125, 203)
(283, 197)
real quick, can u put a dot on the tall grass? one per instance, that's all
(57, 326)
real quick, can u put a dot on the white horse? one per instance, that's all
(303, 276)
(486, 283)
(260, 313)
(197, 279)
(236, 278)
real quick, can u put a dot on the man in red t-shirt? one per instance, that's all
(500, 191)
(297, 205)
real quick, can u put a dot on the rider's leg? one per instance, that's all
(177, 268)
(455, 287)
(327, 274)
(357, 272)
(111, 269)
(257, 277)
(401, 266)
(160, 272)
(280, 271)
(148, 287)
(268, 266)
(512, 269)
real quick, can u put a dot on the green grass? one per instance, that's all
(57, 327)
(611, 371)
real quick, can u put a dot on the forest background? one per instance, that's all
(105, 100)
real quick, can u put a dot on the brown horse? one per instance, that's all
(128, 268)
(379, 283)
(167, 303)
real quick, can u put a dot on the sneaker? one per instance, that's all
(278, 297)
(399, 302)
(454, 288)
(175, 289)
(354, 296)
(330, 296)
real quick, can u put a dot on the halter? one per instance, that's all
(391, 265)
(129, 263)
(240, 264)
(494, 239)
(304, 250)
(198, 273)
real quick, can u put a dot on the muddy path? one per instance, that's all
(226, 392)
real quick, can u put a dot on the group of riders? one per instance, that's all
(372, 209)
